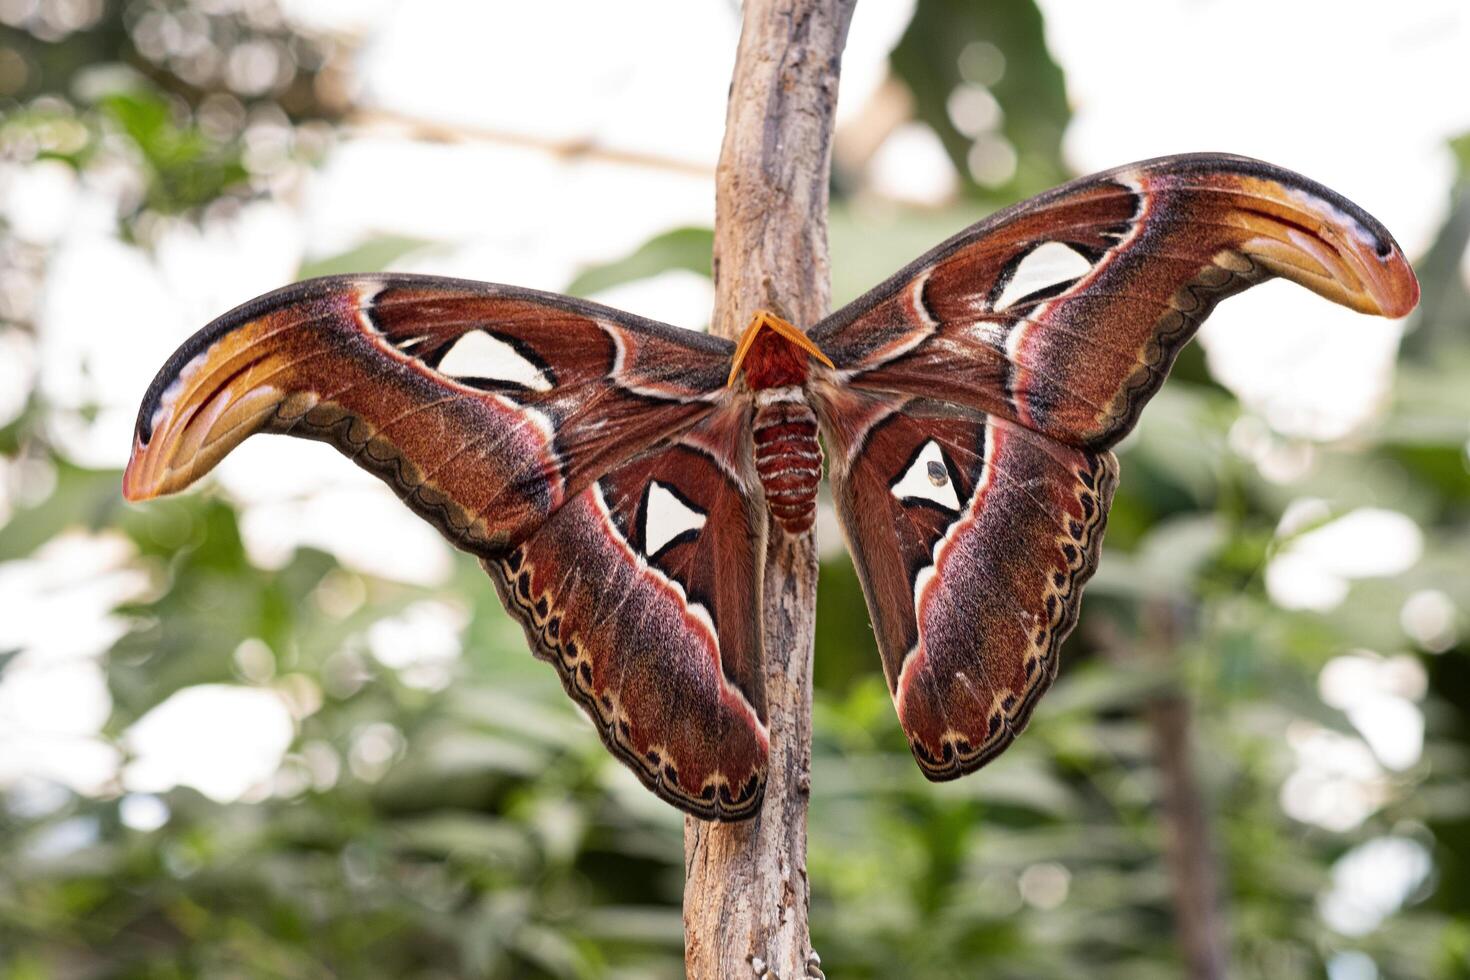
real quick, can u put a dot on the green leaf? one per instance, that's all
(682, 248)
(1000, 46)
(373, 255)
(186, 168)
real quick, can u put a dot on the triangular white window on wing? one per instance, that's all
(1043, 267)
(665, 517)
(927, 478)
(478, 354)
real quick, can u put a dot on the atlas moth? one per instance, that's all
(619, 479)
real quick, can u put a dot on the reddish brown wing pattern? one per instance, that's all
(600, 468)
(483, 406)
(590, 458)
(641, 591)
(1003, 364)
(972, 537)
(1066, 312)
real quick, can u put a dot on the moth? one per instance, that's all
(619, 479)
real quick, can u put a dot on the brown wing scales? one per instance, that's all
(972, 537)
(604, 473)
(661, 650)
(360, 363)
(1159, 244)
(1022, 349)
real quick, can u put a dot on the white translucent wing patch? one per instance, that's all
(1043, 267)
(927, 478)
(665, 517)
(479, 355)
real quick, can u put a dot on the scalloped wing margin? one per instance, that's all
(644, 592)
(1065, 312)
(973, 538)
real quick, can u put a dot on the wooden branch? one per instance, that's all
(1198, 917)
(746, 890)
(386, 121)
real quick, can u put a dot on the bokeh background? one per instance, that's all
(276, 728)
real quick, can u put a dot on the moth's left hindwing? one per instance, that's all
(588, 457)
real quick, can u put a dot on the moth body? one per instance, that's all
(775, 359)
(788, 459)
(599, 464)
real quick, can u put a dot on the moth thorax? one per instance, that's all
(788, 457)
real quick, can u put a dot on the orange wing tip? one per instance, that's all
(1340, 268)
(194, 432)
(147, 473)
(1328, 245)
(1392, 284)
(134, 486)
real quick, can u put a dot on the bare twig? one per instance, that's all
(746, 891)
(373, 120)
(1198, 917)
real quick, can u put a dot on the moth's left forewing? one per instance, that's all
(972, 537)
(483, 406)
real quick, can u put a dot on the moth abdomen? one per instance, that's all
(788, 457)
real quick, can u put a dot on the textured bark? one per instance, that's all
(1198, 917)
(746, 891)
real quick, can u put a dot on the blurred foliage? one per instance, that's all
(184, 168)
(186, 90)
(1007, 140)
(499, 840)
(687, 249)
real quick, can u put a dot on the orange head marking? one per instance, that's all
(770, 351)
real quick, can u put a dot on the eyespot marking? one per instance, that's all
(927, 478)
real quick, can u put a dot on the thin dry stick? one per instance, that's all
(746, 891)
(371, 121)
(1198, 917)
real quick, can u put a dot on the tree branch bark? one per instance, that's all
(746, 892)
(1198, 917)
